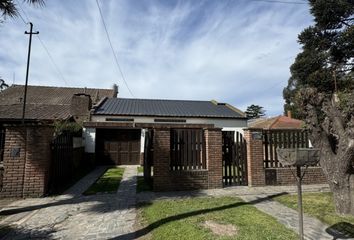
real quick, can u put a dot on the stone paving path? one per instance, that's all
(73, 216)
(313, 228)
(113, 216)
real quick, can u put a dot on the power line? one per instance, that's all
(110, 44)
(52, 60)
(43, 45)
(279, 1)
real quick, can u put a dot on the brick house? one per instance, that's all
(25, 150)
(186, 135)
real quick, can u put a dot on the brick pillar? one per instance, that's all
(26, 168)
(38, 161)
(255, 168)
(14, 159)
(162, 159)
(213, 148)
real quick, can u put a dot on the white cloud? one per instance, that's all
(232, 51)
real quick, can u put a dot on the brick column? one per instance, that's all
(14, 159)
(26, 168)
(38, 161)
(255, 168)
(162, 159)
(213, 148)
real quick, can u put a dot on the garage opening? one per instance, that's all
(118, 146)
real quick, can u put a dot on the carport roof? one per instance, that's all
(167, 108)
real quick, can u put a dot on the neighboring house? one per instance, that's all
(25, 151)
(118, 125)
(45, 103)
(279, 122)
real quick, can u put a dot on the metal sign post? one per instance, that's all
(299, 202)
(297, 157)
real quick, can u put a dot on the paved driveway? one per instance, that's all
(73, 216)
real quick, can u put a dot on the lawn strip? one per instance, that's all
(185, 219)
(107, 183)
(142, 185)
(318, 205)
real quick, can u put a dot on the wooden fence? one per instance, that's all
(273, 139)
(187, 149)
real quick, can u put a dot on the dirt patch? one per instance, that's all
(219, 229)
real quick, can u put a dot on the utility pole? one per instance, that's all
(27, 71)
(24, 104)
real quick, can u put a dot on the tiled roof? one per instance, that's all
(43, 103)
(279, 122)
(167, 108)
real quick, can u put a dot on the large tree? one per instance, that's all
(8, 8)
(254, 111)
(3, 84)
(321, 91)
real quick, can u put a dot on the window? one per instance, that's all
(166, 120)
(120, 119)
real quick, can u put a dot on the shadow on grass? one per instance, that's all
(154, 225)
(144, 185)
(341, 230)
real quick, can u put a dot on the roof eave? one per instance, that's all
(175, 116)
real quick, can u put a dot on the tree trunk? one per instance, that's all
(343, 194)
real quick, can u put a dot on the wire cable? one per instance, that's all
(111, 45)
(43, 45)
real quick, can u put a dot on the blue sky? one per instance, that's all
(235, 51)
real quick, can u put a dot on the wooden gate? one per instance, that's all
(234, 157)
(62, 166)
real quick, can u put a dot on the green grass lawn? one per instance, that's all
(184, 219)
(142, 185)
(107, 183)
(318, 205)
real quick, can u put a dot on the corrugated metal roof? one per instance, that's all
(166, 108)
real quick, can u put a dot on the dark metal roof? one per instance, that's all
(167, 108)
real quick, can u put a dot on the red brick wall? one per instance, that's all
(255, 169)
(26, 175)
(162, 179)
(166, 180)
(259, 176)
(284, 176)
(213, 142)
